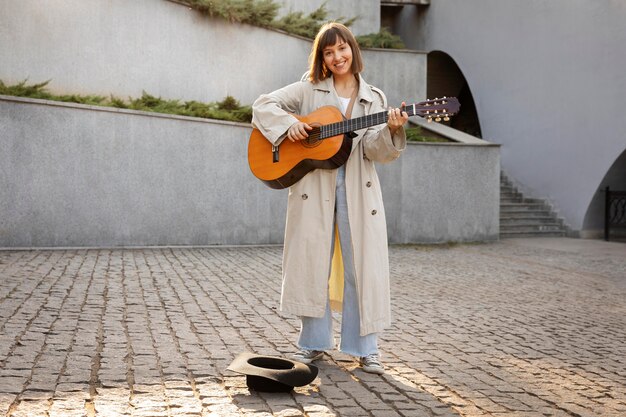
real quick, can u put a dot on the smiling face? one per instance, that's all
(338, 58)
(335, 53)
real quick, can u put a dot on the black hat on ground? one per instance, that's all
(272, 374)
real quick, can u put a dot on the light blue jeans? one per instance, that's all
(317, 333)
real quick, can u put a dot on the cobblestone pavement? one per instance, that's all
(502, 329)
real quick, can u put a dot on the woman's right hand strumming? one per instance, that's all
(298, 131)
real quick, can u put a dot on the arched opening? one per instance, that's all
(444, 78)
(615, 179)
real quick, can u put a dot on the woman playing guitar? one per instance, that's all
(335, 254)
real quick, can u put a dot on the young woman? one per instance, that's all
(335, 254)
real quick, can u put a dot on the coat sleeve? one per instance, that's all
(378, 144)
(270, 112)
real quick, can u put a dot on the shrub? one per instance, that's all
(228, 109)
(382, 39)
(264, 12)
(254, 12)
(307, 25)
(415, 134)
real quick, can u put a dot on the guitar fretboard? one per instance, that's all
(357, 123)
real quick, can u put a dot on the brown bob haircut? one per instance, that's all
(329, 35)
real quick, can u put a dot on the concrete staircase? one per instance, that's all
(526, 217)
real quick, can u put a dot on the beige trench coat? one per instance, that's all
(311, 202)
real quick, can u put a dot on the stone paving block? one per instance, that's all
(317, 409)
(5, 402)
(151, 412)
(389, 412)
(34, 408)
(186, 409)
(222, 410)
(12, 385)
(73, 407)
(287, 412)
(488, 405)
(32, 395)
(445, 412)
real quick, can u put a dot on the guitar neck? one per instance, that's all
(363, 122)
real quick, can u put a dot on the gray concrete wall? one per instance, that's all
(548, 80)
(125, 47)
(74, 175)
(87, 176)
(366, 11)
(443, 192)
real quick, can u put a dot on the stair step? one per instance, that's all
(504, 191)
(526, 217)
(522, 212)
(525, 211)
(523, 221)
(532, 204)
(521, 200)
(530, 228)
(505, 235)
(525, 200)
(508, 189)
(515, 196)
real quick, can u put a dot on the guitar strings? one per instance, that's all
(351, 125)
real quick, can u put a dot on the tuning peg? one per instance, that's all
(429, 119)
(446, 119)
(437, 119)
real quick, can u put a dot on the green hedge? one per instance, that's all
(415, 134)
(228, 109)
(264, 13)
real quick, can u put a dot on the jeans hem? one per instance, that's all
(315, 348)
(356, 355)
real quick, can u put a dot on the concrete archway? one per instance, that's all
(444, 78)
(615, 179)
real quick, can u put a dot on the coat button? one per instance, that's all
(369, 184)
(304, 196)
(374, 212)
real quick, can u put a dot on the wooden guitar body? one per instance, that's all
(296, 159)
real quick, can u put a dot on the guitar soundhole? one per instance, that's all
(313, 140)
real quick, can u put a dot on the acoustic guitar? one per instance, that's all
(329, 143)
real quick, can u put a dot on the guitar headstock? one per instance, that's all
(437, 109)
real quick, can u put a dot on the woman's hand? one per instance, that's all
(298, 131)
(397, 119)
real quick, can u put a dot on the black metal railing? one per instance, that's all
(614, 211)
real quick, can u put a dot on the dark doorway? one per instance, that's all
(444, 78)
